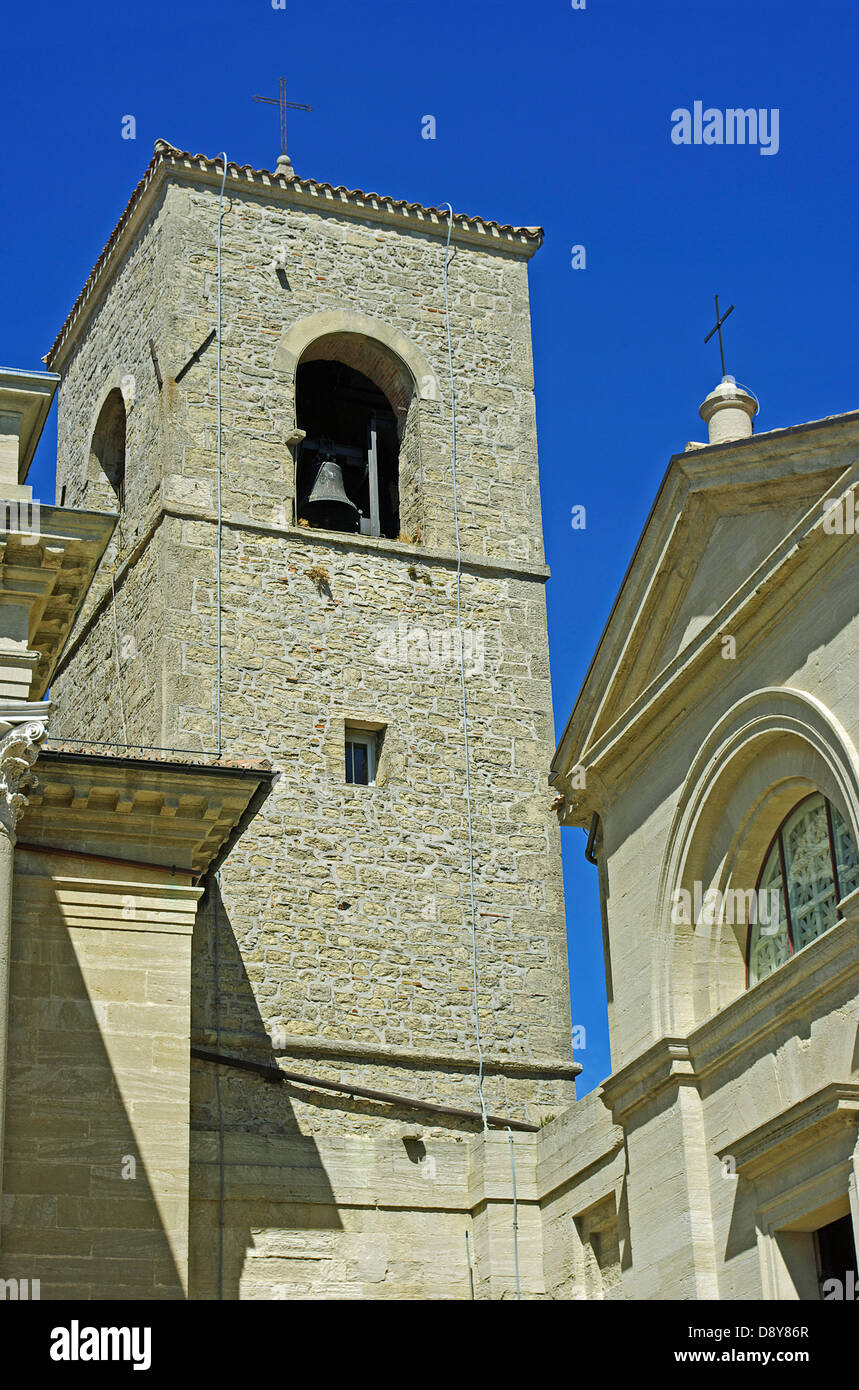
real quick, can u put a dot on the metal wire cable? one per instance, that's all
(475, 981)
(220, 512)
(116, 631)
(749, 392)
(116, 658)
(115, 743)
(221, 1176)
(515, 1203)
(515, 1215)
(470, 1270)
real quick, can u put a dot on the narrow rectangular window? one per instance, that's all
(360, 757)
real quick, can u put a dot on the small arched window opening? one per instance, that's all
(108, 444)
(348, 464)
(812, 863)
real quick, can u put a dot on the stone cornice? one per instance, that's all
(29, 395)
(799, 985)
(408, 550)
(778, 442)
(51, 570)
(804, 1125)
(167, 813)
(665, 1064)
(385, 1054)
(421, 554)
(716, 1045)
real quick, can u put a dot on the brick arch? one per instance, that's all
(381, 352)
(372, 359)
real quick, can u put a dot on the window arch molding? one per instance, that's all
(768, 751)
(391, 363)
(295, 342)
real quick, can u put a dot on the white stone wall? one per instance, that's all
(96, 1178)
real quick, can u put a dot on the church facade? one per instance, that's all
(712, 755)
(287, 917)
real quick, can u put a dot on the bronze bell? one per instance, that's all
(328, 505)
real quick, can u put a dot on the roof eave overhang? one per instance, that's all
(53, 565)
(165, 812)
(28, 395)
(170, 163)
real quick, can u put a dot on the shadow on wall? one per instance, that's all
(265, 1222)
(251, 1168)
(79, 1212)
(743, 1230)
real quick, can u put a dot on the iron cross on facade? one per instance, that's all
(284, 105)
(720, 319)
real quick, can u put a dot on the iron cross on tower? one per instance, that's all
(720, 319)
(284, 105)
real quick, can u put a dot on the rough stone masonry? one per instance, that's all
(342, 916)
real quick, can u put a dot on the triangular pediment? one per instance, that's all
(720, 539)
(719, 517)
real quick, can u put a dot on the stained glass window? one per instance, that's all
(812, 864)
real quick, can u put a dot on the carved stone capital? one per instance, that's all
(18, 752)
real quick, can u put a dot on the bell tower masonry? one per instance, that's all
(255, 377)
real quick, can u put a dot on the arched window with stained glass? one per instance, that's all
(810, 866)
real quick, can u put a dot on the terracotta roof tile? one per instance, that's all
(164, 756)
(165, 153)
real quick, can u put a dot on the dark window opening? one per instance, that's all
(836, 1255)
(108, 443)
(361, 750)
(347, 477)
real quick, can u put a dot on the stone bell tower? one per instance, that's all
(243, 341)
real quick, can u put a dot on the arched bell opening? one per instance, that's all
(348, 463)
(107, 451)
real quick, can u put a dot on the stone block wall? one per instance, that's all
(114, 690)
(95, 1201)
(345, 911)
(381, 1216)
(345, 264)
(582, 1186)
(349, 906)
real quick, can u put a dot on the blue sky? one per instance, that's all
(545, 114)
